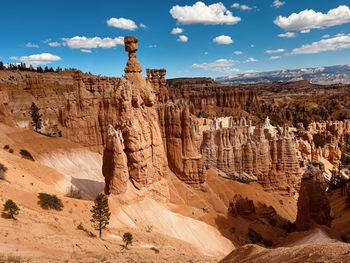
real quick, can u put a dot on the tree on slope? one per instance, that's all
(10, 209)
(100, 213)
(36, 117)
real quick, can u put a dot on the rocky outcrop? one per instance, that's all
(179, 139)
(323, 140)
(136, 150)
(313, 204)
(262, 152)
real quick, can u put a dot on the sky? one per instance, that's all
(188, 38)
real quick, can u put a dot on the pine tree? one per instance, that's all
(10, 209)
(127, 239)
(36, 117)
(100, 213)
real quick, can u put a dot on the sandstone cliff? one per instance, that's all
(313, 204)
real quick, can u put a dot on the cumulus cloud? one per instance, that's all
(278, 3)
(122, 23)
(54, 44)
(251, 59)
(328, 44)
(200, 13)
(242, 7)
(220, 65)
(280, 50)
(176, 30)
(275, 57)
(237, 52)
(37, 59)
(287, 35)
(85, 50)
(310, 19)
(31, 45)
(223, 40)
(94, 42)
(182, 38)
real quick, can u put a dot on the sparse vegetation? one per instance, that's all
(10, 209)
(100, 213)
(82, 228)
(6, 147)
(202, 114)
(10, 259)
(3, 170)
(243, 179)
(47, 201)
(36, 117)
(73, 192)
(127, 239)
(156, 250)
(26, 155)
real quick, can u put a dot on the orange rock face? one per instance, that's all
(268, 155)
(313, 205)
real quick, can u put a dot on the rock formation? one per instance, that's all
(137, 122)
(179, 138)
(313, 204)
(246, 150)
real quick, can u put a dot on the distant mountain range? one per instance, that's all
(320, 75)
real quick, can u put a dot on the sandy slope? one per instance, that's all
(38, 233)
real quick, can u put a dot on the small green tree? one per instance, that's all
(127, 239)
(36, 117)
(100, 213)
(10, 209)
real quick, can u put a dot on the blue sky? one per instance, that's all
(77, 34)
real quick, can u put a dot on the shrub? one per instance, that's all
(257, 238)
(73, 192)
(156, 250)
(11, 150)
(26, 155)
(243, 180)
(127, 239)
(3, 170)
(82, 228)
(6, 147)
(47, 201)
(10, 209)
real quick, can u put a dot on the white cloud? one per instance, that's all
(152, 46)
(206, 53)
(223, 40)
(144, 26)
(182, 38)
(45, 41)
(278, 3)
(251, 59)
(200, 13)
(280, 50)
(242, 7)
(305, 31)
(94, 42)
(122, 23)
(328, 44)
(176, 30)
(38, 59)
(31, 45)
(220, 65)
(237, 52)
(85, 50)
(309, 19)
(275, 57)
(326, 36)
(54, 44)
(287, 35)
